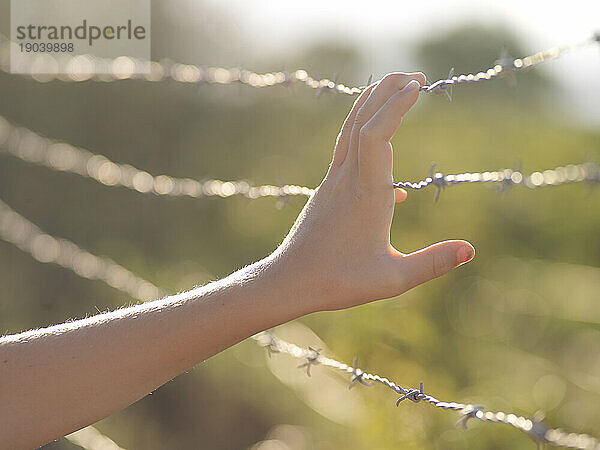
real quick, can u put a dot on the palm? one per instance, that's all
(341, 241)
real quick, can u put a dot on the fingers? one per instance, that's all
(375, 151)
(434, 261)
(386, 121)
(343, 139)
(387, 87)
(400, 195)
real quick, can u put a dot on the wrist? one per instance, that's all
(267, 294)
(299, 279)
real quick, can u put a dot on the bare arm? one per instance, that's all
(59, 379)
(337, 255)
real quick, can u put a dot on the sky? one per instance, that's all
(277, 25)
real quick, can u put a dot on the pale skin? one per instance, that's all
(337, 255)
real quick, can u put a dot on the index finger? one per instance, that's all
(375, 150)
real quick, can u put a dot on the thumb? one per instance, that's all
(434, 261)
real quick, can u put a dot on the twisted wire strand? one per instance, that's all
(534, 428)
(17, 230)
(90, 438)
(569, 174)
(506, 66)
(60, 156)
(86, 67)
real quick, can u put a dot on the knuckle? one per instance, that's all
(366, 133)
(400, 79)
(420, 77)
(394, 78)
(345, 131)
(347, 127)
(388, 78)
(440, 264)
(357, 197)
(362, 117)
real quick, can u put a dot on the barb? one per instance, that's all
(45, 248)
(60, 156)
(63, 157)
(572, 173)
(357, 375)
(312, 359)
(505, 66)
(534, 428)
(81, 68)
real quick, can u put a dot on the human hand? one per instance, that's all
(338, 253)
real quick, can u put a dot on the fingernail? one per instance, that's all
(413, 85)
(464, 254)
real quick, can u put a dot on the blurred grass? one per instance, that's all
(516, 329)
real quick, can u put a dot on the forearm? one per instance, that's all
(337, 255)
(59, 379)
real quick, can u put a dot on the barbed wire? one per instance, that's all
(506, 178)
(87, 67)
(81, 68)
(505, 66)
(60, 156)
(19, 231)
(90, 438)
(534, 428)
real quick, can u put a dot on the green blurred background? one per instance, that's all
(518, 329)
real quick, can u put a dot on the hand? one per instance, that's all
(338, 253)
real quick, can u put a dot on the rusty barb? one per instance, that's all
(532, 427)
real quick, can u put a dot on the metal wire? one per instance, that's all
(84, 68)
(534, 428)
(31, 147)
(505, 66)
(60, 156)
(17, 230)
(91, 438)
(572, 173)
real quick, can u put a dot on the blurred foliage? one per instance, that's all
(516, 329)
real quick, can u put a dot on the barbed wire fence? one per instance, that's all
(34, 148)
(19, 231)
(533, 427)
(63, 157)
(86, 67)
(25, 235)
